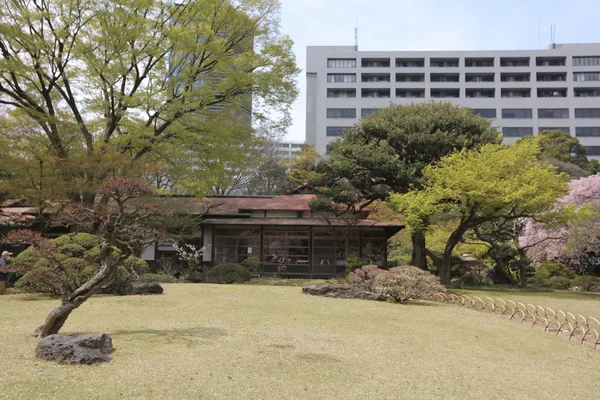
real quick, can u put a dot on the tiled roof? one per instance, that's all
(300, 222)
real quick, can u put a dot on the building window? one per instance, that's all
(445, 93)
(514, 62)
(517, 132)
(334, 131)
(479, 62)
(413, 93)
(341, 63)
(517, 113)
(586, 61)
(443, 62)
(410, 62)
(524, 77)
(341, 93)
(375, 78)
(480, 93)
(586, 76)
(368, 111)
(375, 93)
(592, 150)
(410, 77)
(479, 77)
(587, 113)
(550, 61)
(341, 78)
(236, 245)
(587, 131)
(341, 113)
(331, 249)
(584, 92)
(375, 62)
(291, 246)
(328, 149)
(485, 112)
(552, 92)
(515, 93)
(564, 129)
(553, 113)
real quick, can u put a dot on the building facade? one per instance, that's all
(288, 149)
(523, 91)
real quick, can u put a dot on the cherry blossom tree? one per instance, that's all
(575, 242)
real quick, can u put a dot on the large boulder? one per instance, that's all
(79, 349)
(341, 292)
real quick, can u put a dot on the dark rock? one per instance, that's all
(144, 288)
(79, 349)
(341, 292)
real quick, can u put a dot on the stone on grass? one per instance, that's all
(79, 349)
(341, 292)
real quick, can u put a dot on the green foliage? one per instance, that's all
(353, 263)
(478, 186)
(228, 273)
(387, 151)
(121, 81)
(252, 264)
(559, 283)
(79, 260)
(550, 269)
(161, 278)
(302, 166)
(587, 282)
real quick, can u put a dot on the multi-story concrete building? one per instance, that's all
(288, 149)
(523, 91)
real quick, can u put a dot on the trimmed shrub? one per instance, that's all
(252, 264)
(405, 283)
(399, 284)
(587, 282)
(549, 269)
(537, 281)
(559, 282)
(228, 273)
(161, 278)
(364, 277)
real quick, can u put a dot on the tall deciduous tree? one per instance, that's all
(130, 76)
(478, 186)
(302, 166)
(387, 152)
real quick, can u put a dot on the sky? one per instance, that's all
(431, 25)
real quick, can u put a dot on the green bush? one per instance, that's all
(537, 281)
(549, 269)
(79, 256)
(587, 282)
(353, 263)
(559, 282)
(252, 264)
(161, 278)
(228, 273)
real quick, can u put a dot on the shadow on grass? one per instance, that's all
(33, 296)
(190, 336)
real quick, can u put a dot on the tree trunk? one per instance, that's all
(55, 320)
(453, 240)
(502, 271)
(419, 254)
(57, 317)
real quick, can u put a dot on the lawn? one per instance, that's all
(269, 342)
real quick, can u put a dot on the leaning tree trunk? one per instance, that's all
(419, 252)
(453, 240)
(57, 317)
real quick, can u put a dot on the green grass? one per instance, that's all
(270, 342)
(584, 303)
